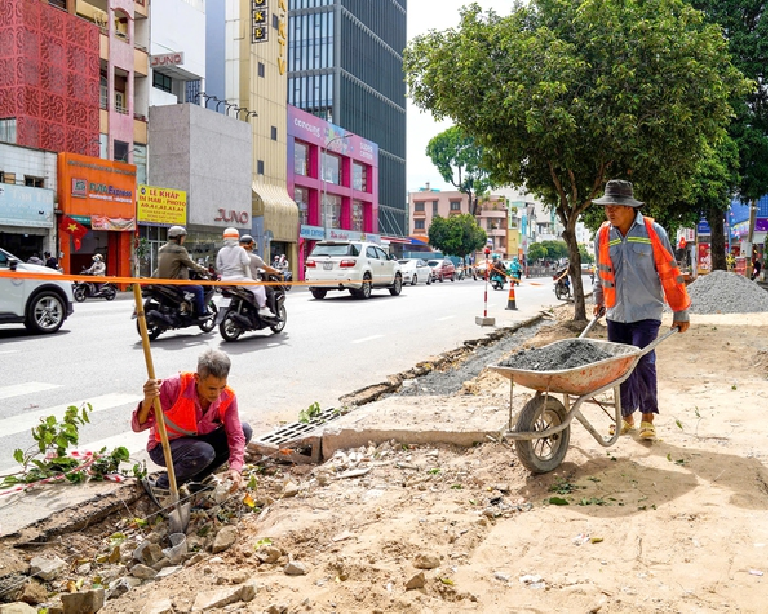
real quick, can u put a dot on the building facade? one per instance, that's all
(331, 172)
(27, 190)
(345, 65)
(49, 78)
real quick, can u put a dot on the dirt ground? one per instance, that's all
(678, 525)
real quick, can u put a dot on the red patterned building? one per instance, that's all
(49, 76)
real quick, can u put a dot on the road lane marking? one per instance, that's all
(135, 442)
(24, 422)
(15, 390)
(365, 339)
(445, 318)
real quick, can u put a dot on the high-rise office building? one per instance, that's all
(345, 65)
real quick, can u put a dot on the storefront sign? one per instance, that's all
(314, 233)
(704, 261)
(24, 206)
(91, 186)
(241, 217)
(761, 225)
(704, 227)
(740, 229)
(259, 21)
(166, 59)
(161, 205)
(102, 222)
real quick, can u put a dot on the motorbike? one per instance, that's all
(287, 278)
(242, 314)
(86, 289)
(498, 281)
(562, 287)
(170, 307)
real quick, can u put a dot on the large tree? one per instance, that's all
(745, 25)
(566, 94)
(460, 162)
(457, 235)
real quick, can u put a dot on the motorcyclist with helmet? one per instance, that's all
(97, 269)
(174, 263)
(497, 268)
(257, 264)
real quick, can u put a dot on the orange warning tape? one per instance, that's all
(149, 281)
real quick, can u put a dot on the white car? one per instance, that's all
(415, 271)
(356, 266)
(41, 305)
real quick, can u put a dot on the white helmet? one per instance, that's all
(176, 231)
(231, 234)
(96, 257)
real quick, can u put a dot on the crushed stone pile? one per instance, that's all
(724, 292)
(569, 355)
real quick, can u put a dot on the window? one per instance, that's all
(419, 225)
(120, 106)
(103, 146)
(7, 177)
(434, 208)
(273, 133)
(371, 252)
(357, 216)
(275, 22)
(121, 151)
(262, 69)
(161, 81)
(8, 130)
(140, 160)
(455, 205)
(333, 210)
(260, 167)
(382, 254)
(360, 177)
(34, 182)
(301, 158)
(301, 196)
(418, 206)
(332, 168)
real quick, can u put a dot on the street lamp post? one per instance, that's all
(324, 154)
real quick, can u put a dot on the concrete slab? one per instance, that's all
(481, 321)
(461, 420)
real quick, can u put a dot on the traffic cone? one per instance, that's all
(511, 298)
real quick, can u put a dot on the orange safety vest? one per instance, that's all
(675, 291)
(181, 419)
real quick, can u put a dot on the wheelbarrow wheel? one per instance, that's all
(545, 454)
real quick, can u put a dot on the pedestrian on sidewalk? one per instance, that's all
(202, 420)
(636, 270)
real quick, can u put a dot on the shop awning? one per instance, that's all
(281, 214)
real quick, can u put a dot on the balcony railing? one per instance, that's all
(104, 101)
(121, 110)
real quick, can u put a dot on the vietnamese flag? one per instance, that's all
(70, 226)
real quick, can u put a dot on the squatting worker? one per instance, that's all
(636, 270)
(201, 419)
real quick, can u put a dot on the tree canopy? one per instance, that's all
(563, 95)
(458, 235)
(459, 161)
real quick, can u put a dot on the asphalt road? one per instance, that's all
(329, 348)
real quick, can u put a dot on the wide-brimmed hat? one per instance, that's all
(618, 192)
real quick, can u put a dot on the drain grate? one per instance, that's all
(298, 430)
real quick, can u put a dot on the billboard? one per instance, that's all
(26, 206)
(157, 205)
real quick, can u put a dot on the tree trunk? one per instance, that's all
(716, 239)
(574, 260)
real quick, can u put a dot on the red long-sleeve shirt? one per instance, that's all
(207, 421)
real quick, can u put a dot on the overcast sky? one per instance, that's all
(423, 16)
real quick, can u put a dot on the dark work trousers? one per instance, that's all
(195, 458)
(640, 390)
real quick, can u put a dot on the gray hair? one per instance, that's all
(215, 363)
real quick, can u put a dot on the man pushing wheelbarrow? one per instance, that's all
(636, 268)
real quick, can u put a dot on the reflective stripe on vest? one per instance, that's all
(181, 419)
(675, 291)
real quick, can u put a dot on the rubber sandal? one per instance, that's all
(647, 430)
(626, 427)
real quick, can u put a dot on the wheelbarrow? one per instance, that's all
(543, 428)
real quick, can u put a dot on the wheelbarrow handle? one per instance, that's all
(589, 327)
(652, 346)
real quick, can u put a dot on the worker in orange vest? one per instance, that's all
(637, 270)
(202, 421)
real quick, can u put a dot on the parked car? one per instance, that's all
(41, 305)
(415, 271)
(442, 269)
(356, 266)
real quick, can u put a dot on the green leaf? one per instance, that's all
(557, 501)
(18, 456)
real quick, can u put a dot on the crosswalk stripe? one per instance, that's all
(15, 390)
(135, 442)
(24, 422)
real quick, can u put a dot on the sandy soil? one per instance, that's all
(679, 525)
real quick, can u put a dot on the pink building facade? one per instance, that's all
(326, 159)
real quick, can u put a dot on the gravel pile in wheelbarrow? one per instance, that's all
(568, 355)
